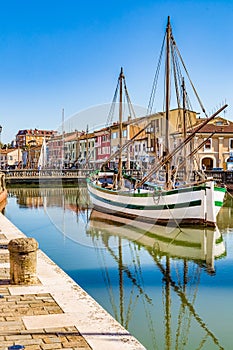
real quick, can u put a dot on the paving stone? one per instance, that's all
(4, 291)
(51, 339)
(34, 333)
(51, 346)
(4, 345)
(18, 337)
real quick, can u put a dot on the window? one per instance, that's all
(231, 144)
(105, 150)
(114, 135)
(124, 134)
(208, 145)
(157, 124)
(105, 138)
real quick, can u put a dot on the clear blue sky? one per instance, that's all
(67, 54)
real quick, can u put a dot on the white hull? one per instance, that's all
(196, 204)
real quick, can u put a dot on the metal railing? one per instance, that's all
(33, 173)
(220, 176)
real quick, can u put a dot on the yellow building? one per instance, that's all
(215, 153)
(34, 137)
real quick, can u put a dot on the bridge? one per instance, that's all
(52, 177)
(46, 176)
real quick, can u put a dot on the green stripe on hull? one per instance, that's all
(220, 189)
(149, 207)
(218, 204)
(137, 193)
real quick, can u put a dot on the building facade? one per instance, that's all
(27, 136)
(219, 148)
(102, 145)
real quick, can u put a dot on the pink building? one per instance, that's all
(103, 144)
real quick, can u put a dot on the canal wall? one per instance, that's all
(55, 312)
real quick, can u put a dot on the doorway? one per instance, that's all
(207, 163)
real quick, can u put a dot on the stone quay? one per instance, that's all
(50, 311)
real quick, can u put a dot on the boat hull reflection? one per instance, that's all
(201, 244)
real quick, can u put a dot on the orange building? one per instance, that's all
(34, 137)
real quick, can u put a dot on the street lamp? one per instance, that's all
(0, 147)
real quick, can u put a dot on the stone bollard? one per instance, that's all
(23, 260)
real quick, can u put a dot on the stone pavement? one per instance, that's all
(55, 313)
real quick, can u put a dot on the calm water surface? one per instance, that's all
(171, 288)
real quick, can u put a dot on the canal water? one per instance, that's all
(171, 288)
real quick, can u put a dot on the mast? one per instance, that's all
(121, 77)
(168, 163)
(168, 304)
(121, 289)
(184, 127)
(63, 139)
(87, 148)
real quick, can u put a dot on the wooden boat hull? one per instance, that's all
(188, 205)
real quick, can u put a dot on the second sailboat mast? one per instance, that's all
(168, 164)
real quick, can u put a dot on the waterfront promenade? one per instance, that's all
(55, 313)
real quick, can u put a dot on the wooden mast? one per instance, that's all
(63, 140)
(184, 128)
(121, 77)
(168, 164)
(87, 148)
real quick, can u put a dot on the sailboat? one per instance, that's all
(42, 162)
(196, 202)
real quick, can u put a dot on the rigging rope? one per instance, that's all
(155, 81)
(130, 106)
(114, 101)
(112, 109)
(177, 74)
(181, 59)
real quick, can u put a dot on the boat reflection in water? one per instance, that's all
(179, 256)
(203, 245)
